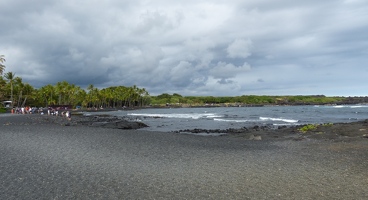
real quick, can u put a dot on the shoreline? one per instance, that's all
(335, 132)
(332, 131)
(224, 105)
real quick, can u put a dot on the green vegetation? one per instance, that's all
(245, 100)
(63, 93)
(328, 124)
(308, 127)
(313, 127)
(2, 110)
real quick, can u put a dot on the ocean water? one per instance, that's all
(174, 119)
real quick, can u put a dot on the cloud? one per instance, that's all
(190, 47)
(239, 49)
(182, 74)
(154, 21)
(227, 70)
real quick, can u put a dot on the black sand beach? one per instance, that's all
(44, 158)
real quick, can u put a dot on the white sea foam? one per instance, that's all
(177, 115)
(359, 106)
(278, 119)
(350, 106)
(338, 106)
(234, 120)
(284, 124)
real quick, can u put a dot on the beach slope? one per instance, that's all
(48, 159)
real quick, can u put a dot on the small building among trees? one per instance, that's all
(7, 104)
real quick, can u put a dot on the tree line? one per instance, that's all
(12, 88)
(252, 100)
(66, 94)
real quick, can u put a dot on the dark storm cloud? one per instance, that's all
(190, 47)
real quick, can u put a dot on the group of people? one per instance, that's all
(59, 111)
(25, 110)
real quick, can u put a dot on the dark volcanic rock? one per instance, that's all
(123, 124)
(110, 122)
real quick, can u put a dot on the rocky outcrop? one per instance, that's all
(110, 122)
(227, 131)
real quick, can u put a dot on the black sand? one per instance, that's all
(44, 159)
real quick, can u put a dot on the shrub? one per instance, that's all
(327, 124)
(313, 127)
(308, 127)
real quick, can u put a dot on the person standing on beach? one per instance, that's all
(68, 115)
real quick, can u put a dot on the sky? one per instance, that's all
(191, 47)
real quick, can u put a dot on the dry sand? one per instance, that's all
(44, 158)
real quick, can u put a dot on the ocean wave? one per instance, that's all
(181, 115)
(278, 119)
(235, 120)
(350, 106)
(284, 124)
(360, 106)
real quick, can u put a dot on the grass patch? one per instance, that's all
(308, 127)
(328, 124)
(313, 127)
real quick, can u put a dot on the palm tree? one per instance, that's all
(120, 95)
(81, 97)
(137, 95)
(2, 87)
(93, 95)
(128, 96)
(90, 89)
(10, 76)
(2, 67)
(18, 86)
(144, 96)
(107, 96)
(61, 89)
(45, 95)
(71, 94)
(50, 91)
(27, 91)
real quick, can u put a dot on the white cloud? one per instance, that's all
(239, 49)
(182, 74)
(227, 70)
(154, 22)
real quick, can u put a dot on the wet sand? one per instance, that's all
(44, 158)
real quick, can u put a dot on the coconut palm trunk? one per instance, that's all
(10, 76)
